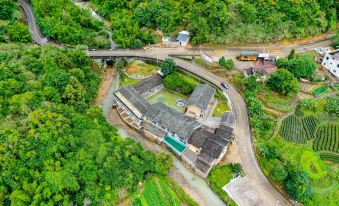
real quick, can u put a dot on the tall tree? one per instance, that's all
(283, 82)
(168, 66)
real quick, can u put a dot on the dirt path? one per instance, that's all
(105, 84)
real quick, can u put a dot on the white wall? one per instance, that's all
(331, 64)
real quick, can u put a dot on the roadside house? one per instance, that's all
(331, 62)
(199, 101)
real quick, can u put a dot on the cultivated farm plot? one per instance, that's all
(310, 125)
(157, 192)
(327, 139)
(329, 156)
(292, 130)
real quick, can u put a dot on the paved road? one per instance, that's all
(242, 130)
(37, 36)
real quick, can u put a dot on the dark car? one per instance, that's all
(225, 85)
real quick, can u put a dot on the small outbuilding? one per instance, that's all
(248, 55)
(183, 38)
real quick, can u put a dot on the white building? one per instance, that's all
(183, 38)
(331, 62)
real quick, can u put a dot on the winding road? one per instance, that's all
(243, 136)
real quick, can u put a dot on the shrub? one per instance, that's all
(228, 64)
(168, 66)
(180, 82)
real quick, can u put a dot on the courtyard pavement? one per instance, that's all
(244, 193)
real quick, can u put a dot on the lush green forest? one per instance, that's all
(134, 22)
(12, 23)
(55, 148)
(65, 22)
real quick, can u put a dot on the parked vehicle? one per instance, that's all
(225, 85)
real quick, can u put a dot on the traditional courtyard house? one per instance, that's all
(210, 147)
(176, 124)
(153, 132)
(248, 55)
(130, 105)
(183, 38)
(331, 62)
(199, 101)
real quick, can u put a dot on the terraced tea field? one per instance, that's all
(327, 139)
(292, 130)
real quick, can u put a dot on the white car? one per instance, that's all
(318, 50)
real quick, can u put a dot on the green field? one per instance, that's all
(275, 101)
(140, 68)
(125, 80)
(162, 191)
(219, 176)
(312, 164)
(169, 98)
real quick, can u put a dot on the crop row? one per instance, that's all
(152, 194)
(292, 130)
(169, 193)
(327, 139)
(310, 125)
(327, 156)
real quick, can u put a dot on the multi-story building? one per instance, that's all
(331, 62)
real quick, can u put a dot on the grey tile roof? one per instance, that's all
(148, 84)
(134, 98)
(225, 132)
(210, 150)
(202, 166)
(201, 96)
(154, 129)
(172, 120)
(249, 53)
(192, 156)
(198, 137)
(228, 119)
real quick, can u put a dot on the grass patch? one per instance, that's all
(219, 176)
(140, 68)
(162, 191)
(220, 109)
(169, 98)
(312, 164)
(125, 80)
(275, 101)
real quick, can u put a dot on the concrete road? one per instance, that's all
(37, 36)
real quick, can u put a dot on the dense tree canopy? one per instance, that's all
(56, 149)
(65, 22)
(300, 67)
(283, 82)
(297, 184)
(217, 20)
